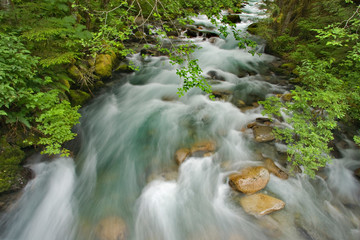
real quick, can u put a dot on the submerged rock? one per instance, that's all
(260, 204)
(263, 133)
(181, 155)
(250, 180)
(203, 146)
(270, 165)
(111, 228)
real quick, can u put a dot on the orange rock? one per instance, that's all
(181, 155)
(250, 180)
(263, 133)
(270, 165)
(260, 204)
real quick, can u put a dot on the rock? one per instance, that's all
(253, 28)
(111, 228)
(210, 35)
(270, 165)
(234, 18)
(214, 75)
(357, 173)
(286, 97)
(239, 103)
(167, 175)
(262, 120)
(209, 154)
(75, 73)
(79, 97)
(104, 65)
(222, 94)
(203, 146)
(8, 200)
(250, 180)
(191, 33)
(14, 178)
(260, 204)
(181, 155)
(263, 133)
(124, 68)
(251, 125)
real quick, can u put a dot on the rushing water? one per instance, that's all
(125, 175)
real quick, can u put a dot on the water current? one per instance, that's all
(125, 184)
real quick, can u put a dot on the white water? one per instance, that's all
(126, 165)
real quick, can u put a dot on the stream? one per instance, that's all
(125, 183)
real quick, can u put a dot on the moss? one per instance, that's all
(79, 97)
(10, 171)
(104, 65)
(75, 73)
(10, 154)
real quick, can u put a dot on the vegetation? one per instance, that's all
(326, 52)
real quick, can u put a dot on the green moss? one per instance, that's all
(75, 73)
(79, 97)
(10, 171)
(9, 154)
(104, 65)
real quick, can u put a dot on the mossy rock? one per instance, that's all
(253, 28)
(104, 65)
(11, 174)
(75, 72)
(234, 18)
(22, 139)
(10, 154)
(288, 66)
(124, 68)
(79, 97)
(13, 177)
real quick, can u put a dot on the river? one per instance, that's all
(125, 183)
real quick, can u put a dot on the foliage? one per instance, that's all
(22, 96)
(329, 70)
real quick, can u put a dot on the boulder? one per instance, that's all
(251, 125)
(78, 97)
(181, 155)
(270, 165)
(222, 94)
(104, 65)
(263, 133)
(260, 204)
(250, 180)
(75, 72)
(253, 28)
(203, 146)
(111, 228)
(234, 18)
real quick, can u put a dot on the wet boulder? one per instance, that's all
(260, 204)
(271, 166)
(263, 133)
(234, 18)
(181, 155)
(224, 95)
(111, 228)
(250, 180)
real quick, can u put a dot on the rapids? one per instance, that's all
(125, 168)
